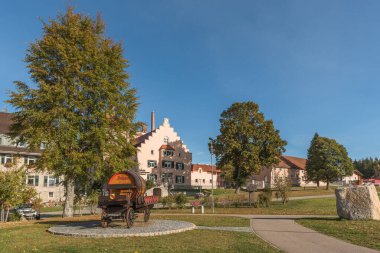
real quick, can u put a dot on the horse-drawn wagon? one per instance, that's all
(124, 197)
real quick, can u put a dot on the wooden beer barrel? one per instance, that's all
(127, 183)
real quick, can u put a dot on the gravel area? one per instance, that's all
(140, 228)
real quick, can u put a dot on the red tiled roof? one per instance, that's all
(167, 147)
(292, 162)
(5, 122)
(358, 173)
(17, 150)
(139, 140)
(205, 168)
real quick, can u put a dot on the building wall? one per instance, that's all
(203, 179)
(151, 149)
(48, 192)
(266, 177)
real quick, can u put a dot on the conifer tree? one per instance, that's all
(246, 142)
(81, 106)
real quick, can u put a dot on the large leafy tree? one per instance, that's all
(327, 161)
(246, 142)
(81, 106)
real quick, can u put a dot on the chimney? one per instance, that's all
(4, 109)
(152, 119)
(144, 128)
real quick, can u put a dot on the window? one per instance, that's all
(180, 179)
(50, 181)
(166, 139)
(152, 152)
(51, 194)
(32, 180)
(21, 144)
(200, 170)
(180, 166)
(196, 180)
(6, 159)
(29, 160)
(167, 164)
(43, 145)
(152, 164)
(1, 141)
(168, 152)
(210, 181)
(167, 178)
(204, 180)
(179, 154)
(152, 177)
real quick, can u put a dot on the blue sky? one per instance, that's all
(312, 66)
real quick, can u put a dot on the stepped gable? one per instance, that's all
(141, 139)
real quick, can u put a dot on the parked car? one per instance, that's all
(199, 195)
(28, 212)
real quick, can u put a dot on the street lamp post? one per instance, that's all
(212, 180)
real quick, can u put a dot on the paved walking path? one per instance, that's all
(284, 233)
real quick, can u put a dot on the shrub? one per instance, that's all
(167, 201)
(283, 187)
(180, 200)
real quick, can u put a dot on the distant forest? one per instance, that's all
(369, 167)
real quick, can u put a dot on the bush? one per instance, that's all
(180, 200)
(150, 184)
(167, 201)
(14, 216)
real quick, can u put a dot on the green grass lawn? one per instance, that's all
(32, 237)
(363, 233)
(229, 194)
(51, 209)
(324, 206)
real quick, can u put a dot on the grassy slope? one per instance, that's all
(363, 233)
(324, 206)
(32, 237)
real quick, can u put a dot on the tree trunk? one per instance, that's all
(237, 189)
(68, 210)
(7, 214)
(327, 185)
(2, 213)
(318, 184)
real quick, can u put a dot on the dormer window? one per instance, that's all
(168, 153)
(166, 139)
(200, 170)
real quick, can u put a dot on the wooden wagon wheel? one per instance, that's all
(105, 221)
(129, 217)
(146, 214)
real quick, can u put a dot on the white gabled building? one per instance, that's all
(163, 157)
(48, 187)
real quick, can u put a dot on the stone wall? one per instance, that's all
(358, 203)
